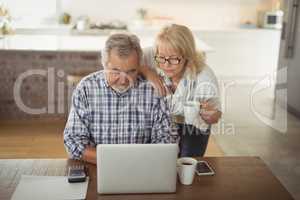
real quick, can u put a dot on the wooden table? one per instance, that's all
(236, 178)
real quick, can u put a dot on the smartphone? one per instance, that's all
(203, 168)
(76, 174)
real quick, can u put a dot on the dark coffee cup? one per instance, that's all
(186, 163)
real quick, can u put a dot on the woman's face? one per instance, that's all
(170, 61)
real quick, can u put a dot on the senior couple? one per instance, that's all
(139, 96)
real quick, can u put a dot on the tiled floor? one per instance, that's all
(252, 134)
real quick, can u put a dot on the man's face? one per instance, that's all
(121, 73)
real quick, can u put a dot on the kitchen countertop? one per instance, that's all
(69, 43)
(155, 29)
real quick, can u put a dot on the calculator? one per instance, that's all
(76, 173)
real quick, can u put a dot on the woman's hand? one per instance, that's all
(209, 114)
(155, 79)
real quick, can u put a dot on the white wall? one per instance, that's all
(31, 11)
(243, 55)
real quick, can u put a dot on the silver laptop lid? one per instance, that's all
(136, 168)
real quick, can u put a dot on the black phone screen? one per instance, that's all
(203, 168)
(77, 172)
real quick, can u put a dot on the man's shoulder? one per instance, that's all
(91, 79)
(94, 76)
(148, 92)
(146, 85)
(90, 83)
(207, 71)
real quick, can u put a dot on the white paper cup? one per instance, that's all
(186, 167)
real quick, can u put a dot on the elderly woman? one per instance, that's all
(179, 70)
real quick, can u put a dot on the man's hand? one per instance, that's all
(209, 114)
(89, 155)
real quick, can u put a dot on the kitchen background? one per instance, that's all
(202, 14)
(230, 33)
(64, 38)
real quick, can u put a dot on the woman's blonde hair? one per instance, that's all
(181, 39)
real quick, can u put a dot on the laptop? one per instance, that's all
(136, 168)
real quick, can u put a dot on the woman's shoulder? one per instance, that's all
(206, 74)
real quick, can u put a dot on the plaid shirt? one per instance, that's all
(99, 115)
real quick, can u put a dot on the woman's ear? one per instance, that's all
(187, 63)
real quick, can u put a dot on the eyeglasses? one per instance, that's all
(171, 61)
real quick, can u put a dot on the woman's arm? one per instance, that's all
(147, 69)
(154, 78)
(208, 90)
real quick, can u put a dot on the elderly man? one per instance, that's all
(115, 105)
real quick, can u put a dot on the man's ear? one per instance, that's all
(103, 62)
(104, 58)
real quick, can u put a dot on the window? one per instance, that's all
(32, 12)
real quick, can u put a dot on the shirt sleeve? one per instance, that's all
(162, 130)
(208, 88)
(76, 133)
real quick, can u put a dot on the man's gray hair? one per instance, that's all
(124, 44)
